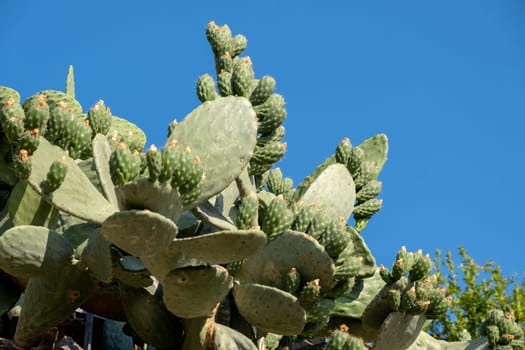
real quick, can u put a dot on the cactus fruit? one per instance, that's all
(278, 218)
(36, 112)
(248, 210)
(263, 90)
(343, 151)
(206, 88)
(100, 118)
(22, 164)
(56, 175)
(122, 165)
(242, 77)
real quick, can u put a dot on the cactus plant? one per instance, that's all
(203, 244)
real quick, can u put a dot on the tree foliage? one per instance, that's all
(475, 289)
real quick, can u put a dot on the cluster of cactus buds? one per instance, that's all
(418, 293)
(502, 331)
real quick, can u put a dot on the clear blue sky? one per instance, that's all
(445, 80)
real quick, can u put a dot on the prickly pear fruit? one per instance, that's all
(263, 90)
(365, 174)
(219, 38)
(343, 151)
(367, 209)
(335, 238)
(22, 164)
(421, 267)
(170, 158)
(270, 114)
(29, 140)
(310, 294)
(321, 309)
(190, 197)
(37, 112)
(13, 129)
(242, 77)
(273, 136)
(122, 164)
(100, 118)
(206, 88)
(154, 160)
(292, 281)
(269, 154)
(319, 224)
(277, 218)
(59, 118)
(56, 175)
(238, 44)
(81, 139)
(224, 63)
(304, 217)
(188, 172)
(224, 83)
(369, 191)
(248, 211)
(355, 160)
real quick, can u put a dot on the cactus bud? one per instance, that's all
(343, 151)
(56, 175)
(277, 218)
(206, 88)
(22, 164)
(154, 162)
(242, 77)
(263, 90)
(36, 112)
(224, 83)
(248, 211)
(238, 44)
(292, 281)
(100, 118)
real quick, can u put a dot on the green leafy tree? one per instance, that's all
(475, 289)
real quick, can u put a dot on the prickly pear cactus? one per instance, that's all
(203, 243)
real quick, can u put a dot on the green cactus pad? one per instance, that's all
(27, 250)
(334, 190)
(96, 256)
(101, 155)
(223, 133)
(49, 300)
(76, 195)
(26, 207)
(144, 194)
(291, 249)
(128, 132)
(220, 247)
(147, 315)
(54, 97)
(269, 308)
(227, 338)
(130, 270)
(139, 232)
(375, 150)
(354, 304)
(399, 331)
(162, 263)
(7, 93)
(194, 291)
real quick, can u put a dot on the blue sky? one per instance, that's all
(444, 80)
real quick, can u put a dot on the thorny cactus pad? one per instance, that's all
(203, 243)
